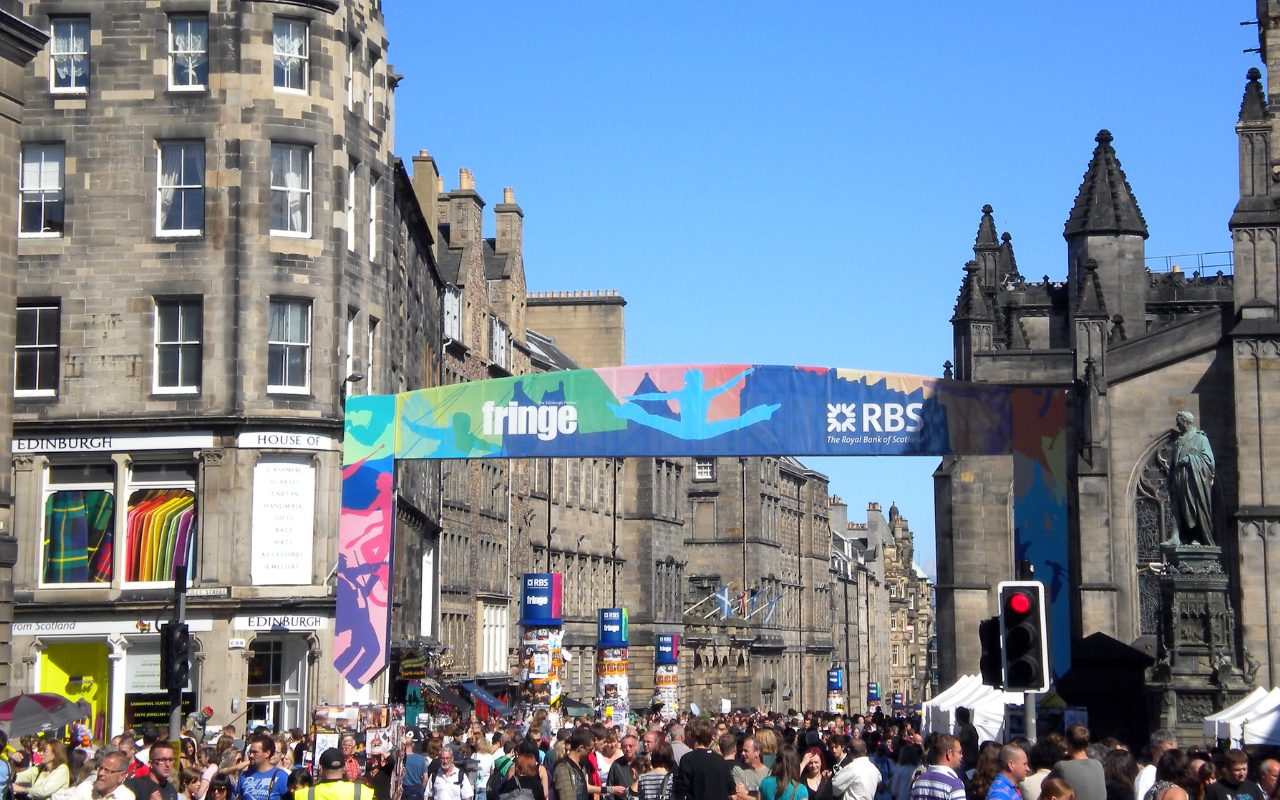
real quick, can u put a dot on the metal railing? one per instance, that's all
(1204, 263)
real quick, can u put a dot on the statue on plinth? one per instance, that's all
(1191, 476)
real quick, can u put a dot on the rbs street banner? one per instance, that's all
(703, 410)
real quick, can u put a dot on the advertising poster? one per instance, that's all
(613, 696)
(835, 691)
(540, 665)
(666, 674)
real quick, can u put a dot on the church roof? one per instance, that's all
(1105, 203)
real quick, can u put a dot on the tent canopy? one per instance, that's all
(1231, 726)
(1248, 701)
(986, 703)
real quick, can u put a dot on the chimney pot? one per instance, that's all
(508, 195)
(466, 180)
(440, 184)
(423, 154)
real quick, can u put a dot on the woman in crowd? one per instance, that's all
(903, 771)
(299, 778)
(984, 774)
(52, 774)
(219, 788)
(784, 782)
(525, 775)
(816, 781)
(189, 781)
(1175, 778)
(1047, 751)
(656, 783)
(768, 742)
(1120, 770)
(1056, 789)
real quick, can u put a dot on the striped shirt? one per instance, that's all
(1003, 789)
(938, 783)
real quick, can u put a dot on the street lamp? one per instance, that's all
(354, 377)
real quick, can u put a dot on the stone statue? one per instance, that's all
(1191, 474)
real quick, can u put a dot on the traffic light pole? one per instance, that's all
(175, 692)
(1029, 715)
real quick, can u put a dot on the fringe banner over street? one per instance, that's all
(683, 410)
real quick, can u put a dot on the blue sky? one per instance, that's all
(801, 183)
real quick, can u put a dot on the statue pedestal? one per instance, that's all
(1197, 671)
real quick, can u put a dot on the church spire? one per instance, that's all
(971, 304)
(986, 229)
(1090, 302)
(1253, 108)
(1105, 204)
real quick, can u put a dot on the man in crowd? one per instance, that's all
(858, 779)
(570, 775)
(415, 772)
(449, 783)
(967, 735)
(350, 764)
(702, 774)
(133, 768)
(108, 783)
(1083, 774)
(333, 784)
(155, 785)
(1013, 770)
(1162, 741)
(675, 735)
(748, 775)
(262, 780)
(1234, 783)
(622, 772)
(650, 740)
(1268, 772)
(941, 781)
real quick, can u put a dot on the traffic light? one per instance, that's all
(1024, 636)
(990, 663)
(175, 639)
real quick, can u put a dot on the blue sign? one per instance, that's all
(835, 680)
(668, 649)
(873, 691)
(612, 630)
(897, 699)
(540, 600)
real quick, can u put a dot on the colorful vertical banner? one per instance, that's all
(613, 689)
(365, 538)
(666, 674)
(540, 641)
(835, 691)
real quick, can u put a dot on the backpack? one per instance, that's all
(498, 774)
(434, 775)
(518, 793)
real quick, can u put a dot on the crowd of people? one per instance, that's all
(738, 756)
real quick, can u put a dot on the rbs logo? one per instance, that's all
(537, 583)
(881, 417)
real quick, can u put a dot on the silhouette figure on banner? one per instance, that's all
(695, 401)
(456, 441)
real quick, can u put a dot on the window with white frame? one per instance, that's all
(704, 469)
(290, 190)
(370, 354)
(161, 502)
(351, 76)
(180, 192)
(498, 342)
(374, 183)
(43, 200)
(453, 313)
(79, 524)
(372, 99)
(350, 350)
(179, 347)
(352, 166)
(69, 55)
(289, 347)
(35, 356)
(291, 49)
(188, 53)
(494, 634)
(895, 659)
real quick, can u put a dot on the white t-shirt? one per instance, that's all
(1145, 780)
(453, 786)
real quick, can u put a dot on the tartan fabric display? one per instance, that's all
(79, 534)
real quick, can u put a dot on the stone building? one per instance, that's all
(1136, 344)
(861, 608)
(19, 43)
(216, 246)
(910, 615)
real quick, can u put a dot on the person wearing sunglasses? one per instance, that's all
(156, 785)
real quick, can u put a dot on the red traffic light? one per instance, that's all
(1019, 603)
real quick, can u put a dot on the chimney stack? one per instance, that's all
(466, 225)
(510, 223)
(426, 186)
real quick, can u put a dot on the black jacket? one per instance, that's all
(702, 775)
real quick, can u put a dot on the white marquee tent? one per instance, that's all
(1231, 721)
(987, 704)
(1248, 701)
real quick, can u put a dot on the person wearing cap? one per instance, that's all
(333, 784)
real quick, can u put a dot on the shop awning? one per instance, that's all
(488, 699)
(571, 706)
(449, 696)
